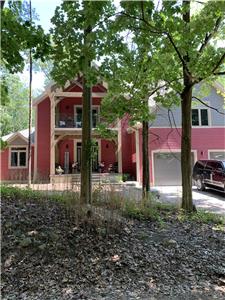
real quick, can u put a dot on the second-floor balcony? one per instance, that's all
(63, 120)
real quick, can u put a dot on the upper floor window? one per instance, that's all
(18, 157)
(200, 117)
(78, 117)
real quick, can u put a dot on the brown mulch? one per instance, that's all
(46, 255)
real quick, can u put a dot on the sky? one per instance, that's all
(45, 9)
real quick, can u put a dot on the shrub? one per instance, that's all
(125, 177)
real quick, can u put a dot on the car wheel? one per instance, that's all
(200, 185)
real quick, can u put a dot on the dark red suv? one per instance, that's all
(209, 173)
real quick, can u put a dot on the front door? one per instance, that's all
(94, 155)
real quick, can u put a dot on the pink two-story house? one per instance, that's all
(56, 140)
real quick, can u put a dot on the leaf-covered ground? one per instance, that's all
(46, 256)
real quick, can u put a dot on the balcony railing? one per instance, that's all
(71, 121)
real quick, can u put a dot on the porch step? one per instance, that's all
(96, 178)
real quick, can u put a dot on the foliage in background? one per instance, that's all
(45, 67)
(18, 34)
(14, 114)
(3, 144)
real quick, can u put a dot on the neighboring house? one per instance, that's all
(14, 159)
(58, 132)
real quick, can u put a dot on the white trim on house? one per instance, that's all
(14, 136)
(9, 157)
(215, 150)
(35, 144)
(60, 93)
(79, 94)
(167, 151)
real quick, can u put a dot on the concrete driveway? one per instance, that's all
(209, 200)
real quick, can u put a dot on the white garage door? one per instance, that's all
(167, 168)
(217, 155)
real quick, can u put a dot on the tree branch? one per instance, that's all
(219, 63)
(219, 73)
(177, 51)
(209, 36)
(2, 4)
(153, 29)
(197, 80)
(211, 107)
(142, 10)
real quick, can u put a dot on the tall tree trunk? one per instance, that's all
(85, 195)
(30, 111)
(145, 161)
(186, 163)
(186, 96)
(86, 145)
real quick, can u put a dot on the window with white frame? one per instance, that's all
(18, 157)
(200, 117)
(78, 116)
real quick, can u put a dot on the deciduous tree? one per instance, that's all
(79, 38)
(185, 56)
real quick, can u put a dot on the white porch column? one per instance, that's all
(137, 146)
(52, 135)
(119, 153)
(35, 144)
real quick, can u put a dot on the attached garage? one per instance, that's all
(217, 154)
(167, 168)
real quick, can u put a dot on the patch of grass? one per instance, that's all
(206, 217)
(201, 217)
(148, 209)
(219, 227)
(29, 194)
(18, 193)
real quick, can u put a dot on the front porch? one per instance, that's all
(66, 160)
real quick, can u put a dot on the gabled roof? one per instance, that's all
(22, 134)
(52, 86)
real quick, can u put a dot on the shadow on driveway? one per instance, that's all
(211, 193)
(209, 200)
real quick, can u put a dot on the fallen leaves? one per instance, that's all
(47, 255)
(115, 258)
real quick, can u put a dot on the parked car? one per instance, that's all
(209, 173)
